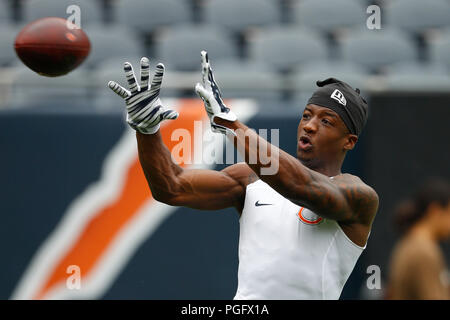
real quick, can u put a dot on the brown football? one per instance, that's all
(49, 47)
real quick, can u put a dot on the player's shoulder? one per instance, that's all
(356, 183)
(363, 198)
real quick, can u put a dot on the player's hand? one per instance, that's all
(209, 92)
(144, 108)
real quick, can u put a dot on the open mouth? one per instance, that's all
(304, 143)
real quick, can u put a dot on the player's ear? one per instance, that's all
(350, 141)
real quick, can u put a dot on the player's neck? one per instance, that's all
(329, 170)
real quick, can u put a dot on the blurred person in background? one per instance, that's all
(417, 268)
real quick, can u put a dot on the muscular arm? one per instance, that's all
(199, 189)
(341, 199)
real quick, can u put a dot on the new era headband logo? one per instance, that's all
(339, 97)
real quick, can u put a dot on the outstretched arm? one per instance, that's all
(199, 189)
(169, 183)
(345, 199)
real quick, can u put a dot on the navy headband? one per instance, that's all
(344, 100)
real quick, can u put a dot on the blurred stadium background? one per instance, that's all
(55, 133)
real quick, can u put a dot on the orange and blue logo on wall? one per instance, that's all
(104, 225)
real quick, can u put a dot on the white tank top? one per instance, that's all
(288, 252)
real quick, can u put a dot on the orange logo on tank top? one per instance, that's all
(308, 217)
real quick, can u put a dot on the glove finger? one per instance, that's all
(131, 78)
(169, 114)
(208, 77)
(201, 91)
(157, 80)
(204, 95)
(145, 71)
(205, 67)
(205, 58)
(118, 89)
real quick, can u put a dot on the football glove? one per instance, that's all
(209, 92)
(144, 108)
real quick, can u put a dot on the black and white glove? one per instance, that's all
(209, 92)
(144, 108)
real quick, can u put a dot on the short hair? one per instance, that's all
(411, 210)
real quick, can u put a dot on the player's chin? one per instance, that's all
(305, 156)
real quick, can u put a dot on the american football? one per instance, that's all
(49, 47)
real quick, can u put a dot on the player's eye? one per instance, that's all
(305, 116)
(326, 121)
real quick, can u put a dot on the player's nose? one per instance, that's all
(310, 126)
